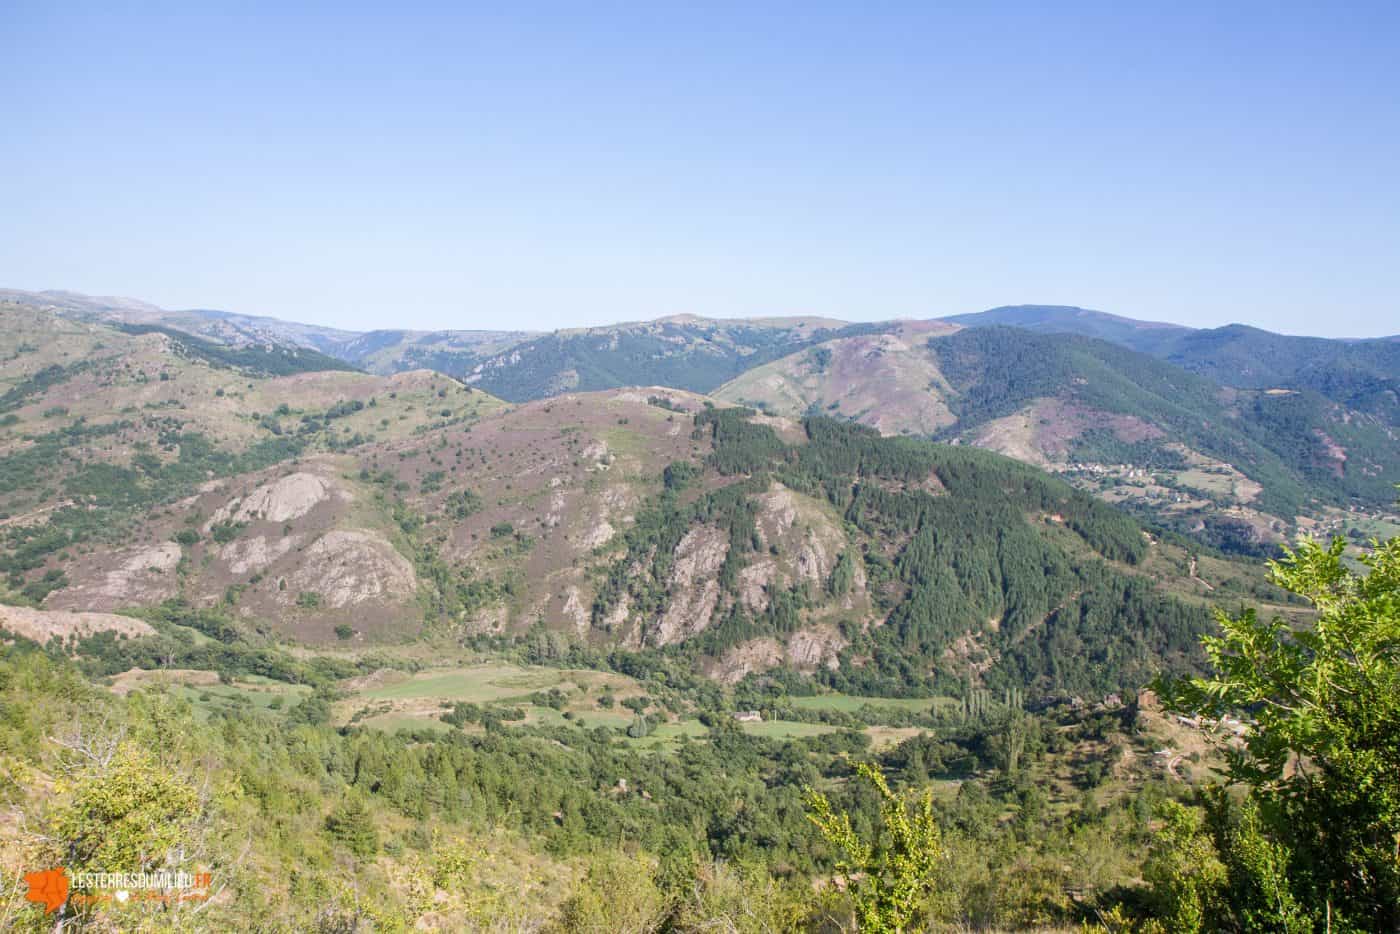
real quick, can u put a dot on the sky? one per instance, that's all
(536, 166)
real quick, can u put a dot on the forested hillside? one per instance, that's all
(690, 353)
(379, 652)
(976, 566)
(1237, 468)
(1363, 375)
(1275, 438)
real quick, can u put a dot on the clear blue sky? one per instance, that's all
(521, 165)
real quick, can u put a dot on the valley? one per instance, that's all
(600, 636)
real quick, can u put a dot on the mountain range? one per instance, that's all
(144, 467)
(665, 578)
(1234, 435)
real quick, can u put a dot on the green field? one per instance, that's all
(786, 729)
(548, 716)
(253, 691)
(479, 684)
(668, 734)
(850, 703)
(393, 722)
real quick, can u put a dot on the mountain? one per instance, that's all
(384, 352)
(566, 663)
(220, 326)
(1234, 466)
(684, 352)
(454, 353)
(415, 505)
(1363, 375)
(1146, 336)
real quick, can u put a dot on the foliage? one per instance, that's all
(124, 812)
(352, 823)
(1185, 874)
(890, 877)
(941, 564)
(1322, 758)
(617, 894)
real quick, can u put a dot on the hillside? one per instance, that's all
(1362, 375)
(412, 505)
(684, 352)
(1145, 336)
(109, 436)
(516, 664)
(384, 351)
(1235, 467)
(221, 326)
(1262, 433)
(883, 380)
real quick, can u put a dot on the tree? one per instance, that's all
(1321, 761)
(1185, 874)
(617, 895)
(352, 824)
(890, 878)
(126, 813)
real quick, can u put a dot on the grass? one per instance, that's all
(786, 729)
(422, 698)
(667, 735)
(850, 703)
(1217, 483)
(548, 716)
(253, 691)
(393, 722)
(478, 684)
(886, 737)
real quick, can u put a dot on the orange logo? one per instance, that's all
(49, 888)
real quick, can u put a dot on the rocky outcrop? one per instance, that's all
(282, 500)
(140, 575)
(694, 591)
(806, 650)
(575, 611)
(255, 553)
(754, 581)
(43, 625)
(349, 567)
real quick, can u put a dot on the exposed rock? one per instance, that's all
(144, 575)
(617, 617)
(746, 658)
(806, 650)
(575, 611)
(814, 559)
(700, 554)
(753, 583)
(777, 511)
(352, 567)
(814, 646)
(253, 554)
(694, 591)
(282, 500)
(687, 614)
(43, 625)
(160, 558)
(597, 535)
(557, 502)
